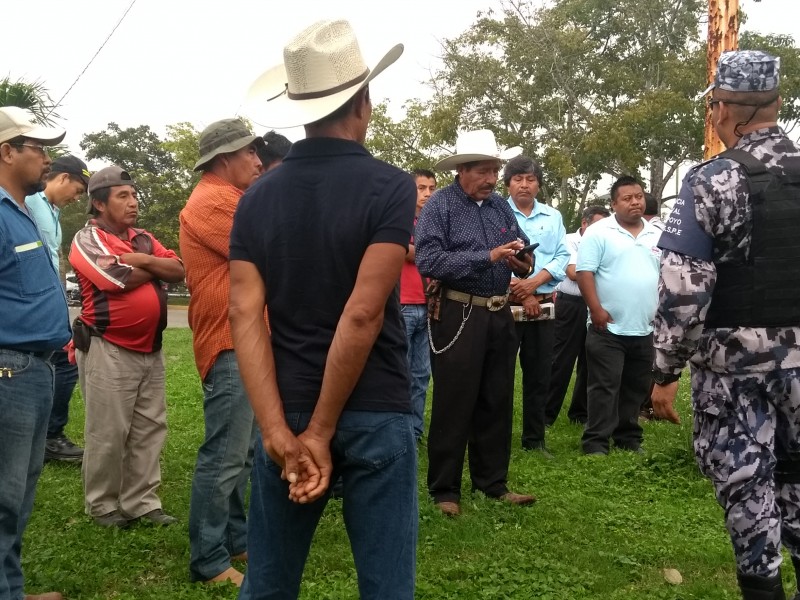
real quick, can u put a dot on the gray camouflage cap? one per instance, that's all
(746, 71)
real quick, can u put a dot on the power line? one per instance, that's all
(91, 60)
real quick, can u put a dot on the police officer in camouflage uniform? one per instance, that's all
(730, 304)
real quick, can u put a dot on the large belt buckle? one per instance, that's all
(495, 303)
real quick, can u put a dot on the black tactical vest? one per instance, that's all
(764, 291)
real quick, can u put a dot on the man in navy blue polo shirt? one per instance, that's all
(35, 323)
(321, 240)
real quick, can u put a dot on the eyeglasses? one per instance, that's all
(43, 150)
(712, 102)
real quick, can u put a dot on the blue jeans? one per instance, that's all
(66, 376)
(376, 456)
(419, 360)
(217, 522)
(25, 400)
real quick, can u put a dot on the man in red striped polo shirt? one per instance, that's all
(118, 348)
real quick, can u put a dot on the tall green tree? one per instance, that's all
(591, 88)
(587, 86)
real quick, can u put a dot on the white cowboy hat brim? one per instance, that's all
(267, 104)
(451, 162)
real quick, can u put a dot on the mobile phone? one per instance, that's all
(526, 250)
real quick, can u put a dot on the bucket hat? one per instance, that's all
(222, 137)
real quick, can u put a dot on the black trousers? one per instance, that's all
(568, 345)
(620, 369)
(472, 401)
(535, 360)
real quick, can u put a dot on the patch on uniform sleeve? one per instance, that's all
(682, 233)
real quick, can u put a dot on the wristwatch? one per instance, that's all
(660, 378)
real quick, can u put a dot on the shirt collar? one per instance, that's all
(493, 197)
(324, 146)
(537, 208)
(760, 135)
(212, 179)
(615, 224)
(132, 232)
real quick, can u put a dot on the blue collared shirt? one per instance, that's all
(545, 226)
(32, 301)
(454, 236)
(46, 217)
(625, 271)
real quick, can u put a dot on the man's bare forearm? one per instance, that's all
(166, 269)
(253, 346)
(588, 290)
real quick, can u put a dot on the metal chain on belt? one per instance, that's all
(464, 318)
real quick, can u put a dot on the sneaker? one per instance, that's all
(62, 449)
(159, 517)
(112, 519)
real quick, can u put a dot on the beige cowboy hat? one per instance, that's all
(474, 146)
(322, 69)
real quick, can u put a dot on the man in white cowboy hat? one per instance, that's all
(467, 238)
(323, 239)
(36, 323)
(230, 163)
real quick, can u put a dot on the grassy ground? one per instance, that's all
(604, 527)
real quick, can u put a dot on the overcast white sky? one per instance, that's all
(184, 60)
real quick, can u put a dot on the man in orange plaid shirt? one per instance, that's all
(217, 527)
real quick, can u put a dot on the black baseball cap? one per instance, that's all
(73, 166)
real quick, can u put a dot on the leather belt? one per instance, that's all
(492, 303)
(45, 355)
(569, 297)
(543, 297)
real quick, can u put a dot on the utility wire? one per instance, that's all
(91, 60)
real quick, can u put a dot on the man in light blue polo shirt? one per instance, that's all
(617, 270)
(66, 182)
(543, 225)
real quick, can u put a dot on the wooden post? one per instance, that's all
(723, 34)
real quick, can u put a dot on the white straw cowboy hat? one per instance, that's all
(476, 145)
(322, 69)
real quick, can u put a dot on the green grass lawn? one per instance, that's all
(603, 528)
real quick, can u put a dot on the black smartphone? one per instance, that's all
(526, 250)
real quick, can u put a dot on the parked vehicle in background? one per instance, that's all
(72, 289)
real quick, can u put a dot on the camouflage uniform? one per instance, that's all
(745, 380)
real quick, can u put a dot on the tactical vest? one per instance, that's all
(763, 291)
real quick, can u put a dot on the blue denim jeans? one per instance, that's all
(25, 400)
(66, 376)
(376, 456)
(217, 522)
(419, 360)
